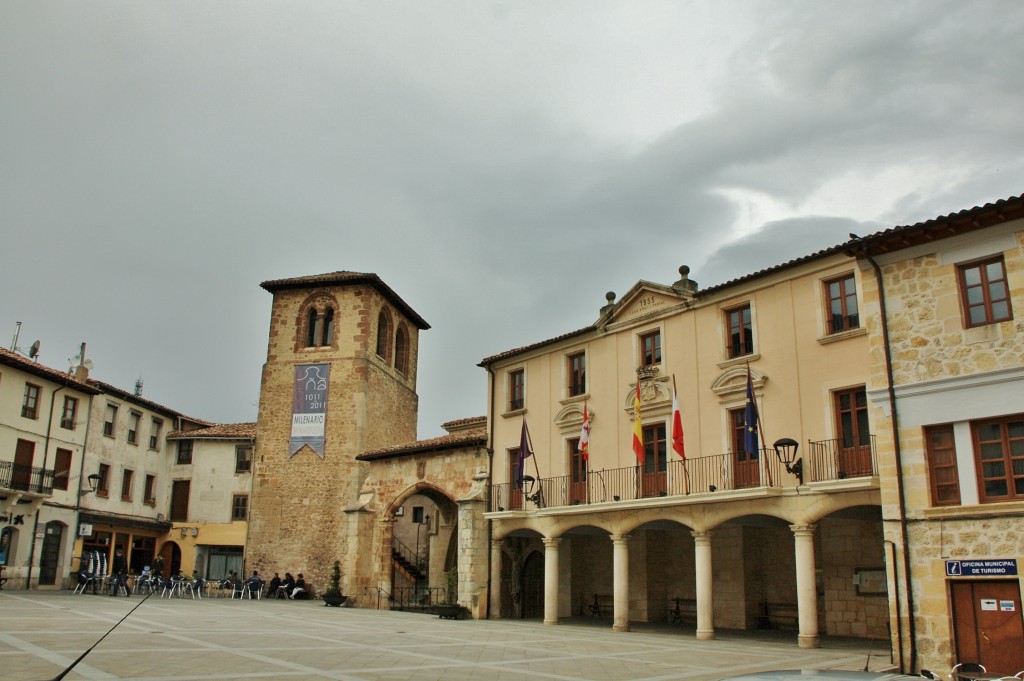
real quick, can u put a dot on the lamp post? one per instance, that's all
(785, 449)
(94, 483)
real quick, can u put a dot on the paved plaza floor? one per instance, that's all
(41, 633)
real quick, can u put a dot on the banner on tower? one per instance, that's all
(309, 408)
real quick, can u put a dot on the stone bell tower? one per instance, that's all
(340, 379)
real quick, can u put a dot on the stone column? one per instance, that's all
(620, 581)
(705, 577)
(496, 578)
(384, 580)
(551, 579)
(806, 592)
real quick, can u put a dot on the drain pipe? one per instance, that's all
(911, 629)
(42, 476)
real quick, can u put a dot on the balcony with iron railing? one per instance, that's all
(695, 477)
(28, 479)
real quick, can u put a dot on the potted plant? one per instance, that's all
(333, 595)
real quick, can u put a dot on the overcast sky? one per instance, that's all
(501, 165)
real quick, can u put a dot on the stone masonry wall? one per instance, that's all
(296, 514)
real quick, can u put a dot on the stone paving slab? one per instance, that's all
(42, 632)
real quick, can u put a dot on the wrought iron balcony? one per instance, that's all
(29, 479)
(700, 476)
(695, 476)
(839, 459)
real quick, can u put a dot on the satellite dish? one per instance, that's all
(87, 364)
(33, 351)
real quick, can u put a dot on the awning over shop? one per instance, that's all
(133, 522)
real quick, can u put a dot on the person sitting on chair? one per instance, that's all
(299, 588)
(274, 583)
(286, 586)
(119, 572)
(254, 583)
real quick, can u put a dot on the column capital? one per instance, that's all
(803, 530)
(497, 544)
(620, 538)
(702, 535)
(551, 541)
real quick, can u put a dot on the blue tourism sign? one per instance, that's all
(995, 567)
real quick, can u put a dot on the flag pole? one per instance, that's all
(536, 469)
(760, 427)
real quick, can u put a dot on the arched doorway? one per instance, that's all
(49, 558)
(532, 586)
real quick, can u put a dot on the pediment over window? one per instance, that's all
(571, 416)
(731, 384)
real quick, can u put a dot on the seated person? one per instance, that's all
(274, 583)
(254, 583)
(299, 588)
(286, 586)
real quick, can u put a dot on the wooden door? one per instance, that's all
(515, 488)
(854, 454)
(746, 466)
(987, 624)
(21, 474)
(655, 467)
(577, 474)
(179, 500)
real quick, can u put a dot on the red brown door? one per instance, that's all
(577, 473)
(515, 489)
(654, 474)
(854, 455)
(21, 474)
(746, 467)
(179, 500)
(987, 624)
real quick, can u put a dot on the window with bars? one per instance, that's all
(984, 292)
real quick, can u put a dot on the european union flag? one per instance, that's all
(750, 440)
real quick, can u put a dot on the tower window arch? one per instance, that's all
(384, 335)
(316, 321)
(328, 331)
(401, 351)
(312, 322)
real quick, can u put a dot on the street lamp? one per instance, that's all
(785, 449)
(94, 483)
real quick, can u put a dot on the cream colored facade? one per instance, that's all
(746, 547)
(208, 532)
(954, 383)
(43, 436)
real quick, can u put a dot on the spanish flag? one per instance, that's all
(638, 430)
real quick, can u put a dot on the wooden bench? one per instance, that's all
(780, 616)
(681, 610)
(603, 605)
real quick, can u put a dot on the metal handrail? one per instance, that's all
(26, 478)
(838, 460)
(678, 477)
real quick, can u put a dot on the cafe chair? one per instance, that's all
(928, 674)
(963, 670)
